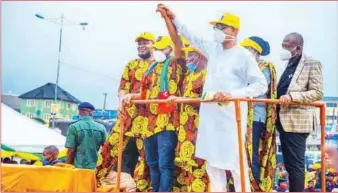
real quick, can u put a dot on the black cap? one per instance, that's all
(86, 105)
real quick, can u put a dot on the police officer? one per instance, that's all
(84, 139)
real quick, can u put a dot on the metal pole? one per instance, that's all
(104, 104)
(58, 69)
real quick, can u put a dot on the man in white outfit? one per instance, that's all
(232, 72)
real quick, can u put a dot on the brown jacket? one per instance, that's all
(306, 86)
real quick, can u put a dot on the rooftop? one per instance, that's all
(47, 91)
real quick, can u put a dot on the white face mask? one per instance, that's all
(220, 36)
(285, 54)
(159, 56)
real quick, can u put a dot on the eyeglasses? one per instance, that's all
(220, 27)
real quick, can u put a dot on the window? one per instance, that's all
(48, 104)
(74, 107)
(30, 115)
(46, 117)
(69, 106)
(29, 103)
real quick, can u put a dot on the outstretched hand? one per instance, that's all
(169, 13)
(162, 11)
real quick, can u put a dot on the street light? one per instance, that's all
(61, 24)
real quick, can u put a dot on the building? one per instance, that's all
(38, 103)
(11, 100)
(102, 115)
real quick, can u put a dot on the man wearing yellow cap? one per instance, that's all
(232, 72)
(261, 125)
(162, 79)
(190, 174)
(130, 83)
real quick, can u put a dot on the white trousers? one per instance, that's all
(218, 179)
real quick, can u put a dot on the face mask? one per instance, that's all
(220, 36)
(191, 67)
(159, 56)
(286, 54)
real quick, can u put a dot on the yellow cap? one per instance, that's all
(229, 20)
(250, 43)
(145, 35)
(162, 43)
(185, 42)
(191, 49)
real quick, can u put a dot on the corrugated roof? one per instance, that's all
(47, 91)
(10, 100)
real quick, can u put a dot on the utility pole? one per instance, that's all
(104, 104)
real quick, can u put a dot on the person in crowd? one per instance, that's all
(25, 162)
(332, 157)
(282, 185)
(130, 83)
(232, 72)
(261, 149)
(190, 174)
(50, 155)
(310, 186)
(163, 79)
(84, 139)
(301, 82)
(330, 183)
(6, 160)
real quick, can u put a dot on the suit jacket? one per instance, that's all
(306, 86)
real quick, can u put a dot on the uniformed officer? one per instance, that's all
(84, 139)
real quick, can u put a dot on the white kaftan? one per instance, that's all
(234, 70)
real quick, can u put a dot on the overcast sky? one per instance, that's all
(30, 45)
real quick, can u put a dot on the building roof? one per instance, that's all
(10, 100)
(330, 99)
(47, 91)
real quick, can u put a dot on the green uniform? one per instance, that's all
(85, 136)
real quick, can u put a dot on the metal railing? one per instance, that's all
(237, 102)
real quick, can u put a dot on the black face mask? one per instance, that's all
(145, 56)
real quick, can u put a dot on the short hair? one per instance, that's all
(310, 181)
(298, 36)
(52, 148)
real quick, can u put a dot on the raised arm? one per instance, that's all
(172, 33)
(195, 41)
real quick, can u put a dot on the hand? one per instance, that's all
(126, 100)
(162, 11)
(285, 100)
(171, 99)
(222, 96)
(170, 14)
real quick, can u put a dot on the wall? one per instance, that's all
(45, 111)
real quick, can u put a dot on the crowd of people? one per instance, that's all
(194, 147)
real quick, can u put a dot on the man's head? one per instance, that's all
(163, 47)
(86, 109)
(257, 46)
(310, 184)
(226, 29)
(330, 176)
(144, 41)
(25, 162)
(292, 46)
(194, 58)
(283, 184)
(6, 160)
(51, 153)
